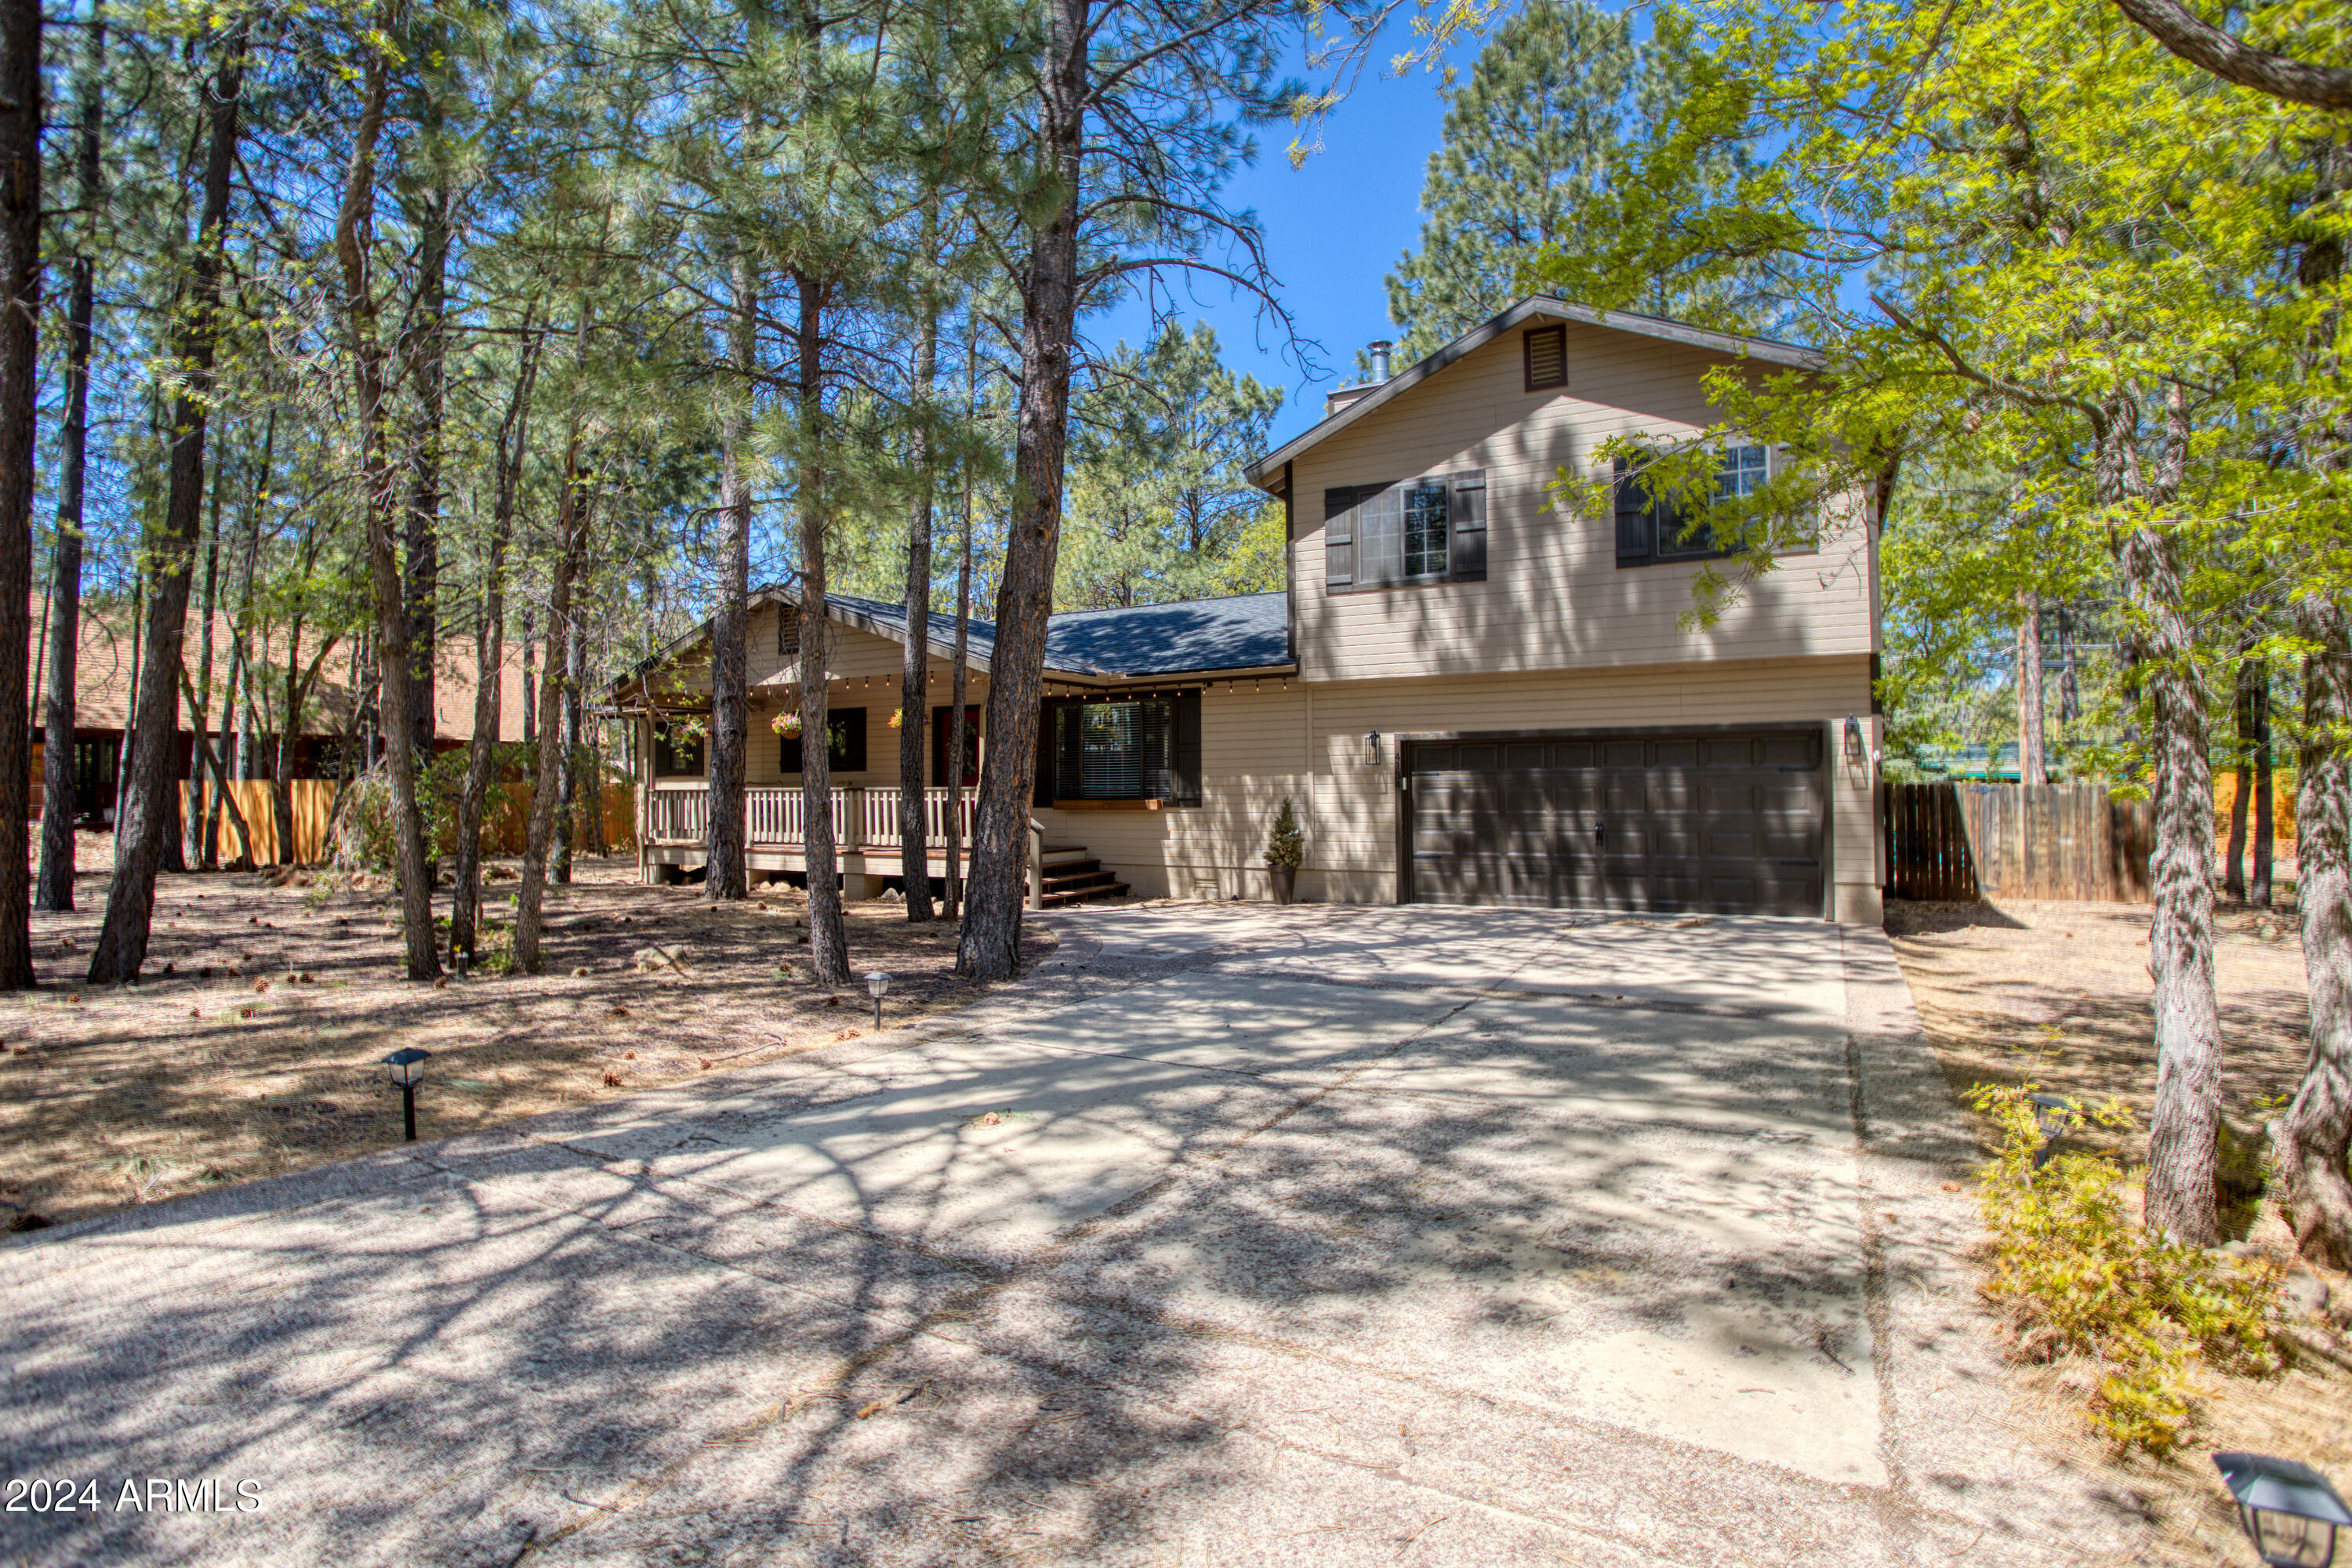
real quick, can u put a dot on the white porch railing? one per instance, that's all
(680, 813)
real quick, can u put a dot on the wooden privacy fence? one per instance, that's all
(314, 803)
(2019, 841)
(505, 816)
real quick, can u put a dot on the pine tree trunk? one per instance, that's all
(567, 815)
(547, 789)
(2312, 1138)
(2234, 867)
(231, 739)
(130, 716)
(530, 676)
(2032, 763)
(2258, 885)
(489, 651)
(2182, 1133)
(915, 666)
(201, 849)
(20, 391)
(2069, 689)
(353, 240)
(991, 945)
(725, 873)
(149, 803)
(957, 684)
(59, 806)
(422, 587)
(828, 938)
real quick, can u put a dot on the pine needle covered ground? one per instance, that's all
(227, 1069)
(2057, 994)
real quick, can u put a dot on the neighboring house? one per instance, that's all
(102, 696)
(1471, 698)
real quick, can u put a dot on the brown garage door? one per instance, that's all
(1725, 823)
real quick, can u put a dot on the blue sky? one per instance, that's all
(1334, 229)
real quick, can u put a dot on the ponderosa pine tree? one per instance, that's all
(1531, 139)
(150, 804)
(58, 807)
(20, 394)
(1134, 114)
(1158, 500)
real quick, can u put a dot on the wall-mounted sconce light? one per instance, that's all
(1371, 748)
(1857, 750)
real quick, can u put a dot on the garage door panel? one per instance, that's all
(1729, 824)
(1675, 791)
(1740, 752)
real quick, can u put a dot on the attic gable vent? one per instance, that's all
(788, 631)
(1547, 357)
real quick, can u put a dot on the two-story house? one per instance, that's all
(1470, 697)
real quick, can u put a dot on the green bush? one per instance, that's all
(2073, 1275)
(1286, 846)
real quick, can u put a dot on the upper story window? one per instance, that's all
(1740, 471)
(1651, 530)
(1429, 529)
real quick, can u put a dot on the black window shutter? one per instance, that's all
(1154, 742)
(1634, 547)
(1338, 537)
(1058, 753)
(664, 753)
(1467, 529)
(1184, 766)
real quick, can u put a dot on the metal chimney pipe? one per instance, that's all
(1380, 349)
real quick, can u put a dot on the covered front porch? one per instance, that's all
(676, 830)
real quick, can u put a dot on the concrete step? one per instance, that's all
(1106, 889)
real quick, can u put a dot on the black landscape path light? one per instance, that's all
(2053, 1117)
(2290, 1512)
(877, 986)
(404, 1068)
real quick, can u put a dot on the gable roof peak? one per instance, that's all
(1268, 471)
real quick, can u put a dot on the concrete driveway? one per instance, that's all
(1233, 1236)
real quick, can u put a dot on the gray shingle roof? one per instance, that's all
(1246, 631)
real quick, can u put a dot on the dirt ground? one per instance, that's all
(251, 1048)
(2058, 994)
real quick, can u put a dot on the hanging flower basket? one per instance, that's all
(785, 724)
(898, 718)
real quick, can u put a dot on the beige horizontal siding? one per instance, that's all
(1554, 596)
(1306, 743)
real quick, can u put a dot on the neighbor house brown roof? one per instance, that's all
(103, 677)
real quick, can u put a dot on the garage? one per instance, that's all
(1721, 822)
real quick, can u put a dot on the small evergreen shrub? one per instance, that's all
(1286, 846)
(2073, 1275)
